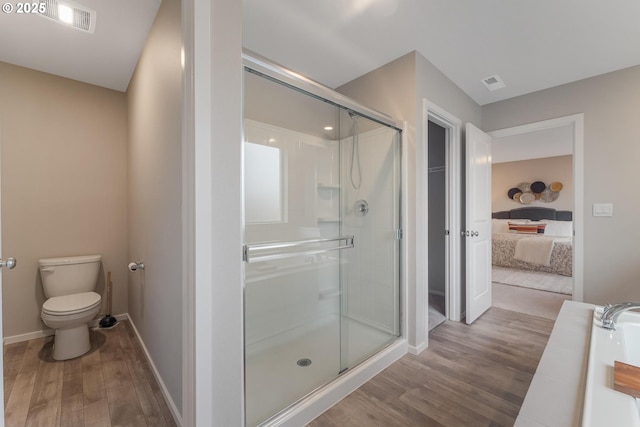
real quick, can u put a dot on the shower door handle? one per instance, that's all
(256, 252)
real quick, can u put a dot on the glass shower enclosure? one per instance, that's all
(322, 239)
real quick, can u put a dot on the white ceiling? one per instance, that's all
(531, 45)
(105, 58)
(533, 145)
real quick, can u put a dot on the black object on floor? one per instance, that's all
(108, 321)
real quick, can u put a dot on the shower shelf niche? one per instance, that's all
(328, 186)
(327, 202)
(328, 219)
(263, 272)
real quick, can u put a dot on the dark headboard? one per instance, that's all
(535, 214)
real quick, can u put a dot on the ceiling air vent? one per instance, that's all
(493, 82)
(70, 13)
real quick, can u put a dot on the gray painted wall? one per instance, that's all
(391, 89)
(610, 104)
(611, 107)
(155, 196)
(398, 89)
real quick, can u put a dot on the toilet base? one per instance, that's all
(72, 342)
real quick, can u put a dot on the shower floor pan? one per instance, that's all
(289, 366)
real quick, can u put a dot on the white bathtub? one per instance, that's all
(603, 406)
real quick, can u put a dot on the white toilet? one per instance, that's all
(69, 285)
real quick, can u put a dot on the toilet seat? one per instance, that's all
(71, 304)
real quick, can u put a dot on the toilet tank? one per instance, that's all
(69, 275)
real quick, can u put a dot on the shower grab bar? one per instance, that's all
(248, 256)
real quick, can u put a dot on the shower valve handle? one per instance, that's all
(361, 207)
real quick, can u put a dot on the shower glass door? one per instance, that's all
(321, 288)
(370, 212)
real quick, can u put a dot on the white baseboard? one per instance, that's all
(163, 388)
(28, 336)
(415, 350)
(48, 332)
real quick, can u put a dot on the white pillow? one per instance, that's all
(559, 228)
(499, 225)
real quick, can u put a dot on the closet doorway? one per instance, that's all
(437, 224)
(442, 135)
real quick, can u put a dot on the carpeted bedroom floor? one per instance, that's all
(535, 302)
(533, 280)
(528, 301)
(530, 292)
(533, 293)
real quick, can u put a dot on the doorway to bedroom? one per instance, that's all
(533, 210)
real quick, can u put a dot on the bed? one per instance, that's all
(535, 239)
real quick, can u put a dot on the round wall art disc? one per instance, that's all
(538, 187)
(512, 192)
(524, 187)
(527, 198)
(549, 196)
(555, 186)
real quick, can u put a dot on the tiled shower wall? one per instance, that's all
(298, 292)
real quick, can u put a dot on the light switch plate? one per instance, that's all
(603, 209)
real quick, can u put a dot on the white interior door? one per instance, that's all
(478, 222)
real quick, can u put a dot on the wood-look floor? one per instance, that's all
(473, 375)
(112, 385)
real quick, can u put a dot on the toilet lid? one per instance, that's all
(71, 304)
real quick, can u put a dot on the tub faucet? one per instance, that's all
(612, 312)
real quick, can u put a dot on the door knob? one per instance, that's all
(9, 263)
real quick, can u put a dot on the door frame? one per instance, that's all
(1, 318)
(213, 341)
(453, 154)
(576, 121)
